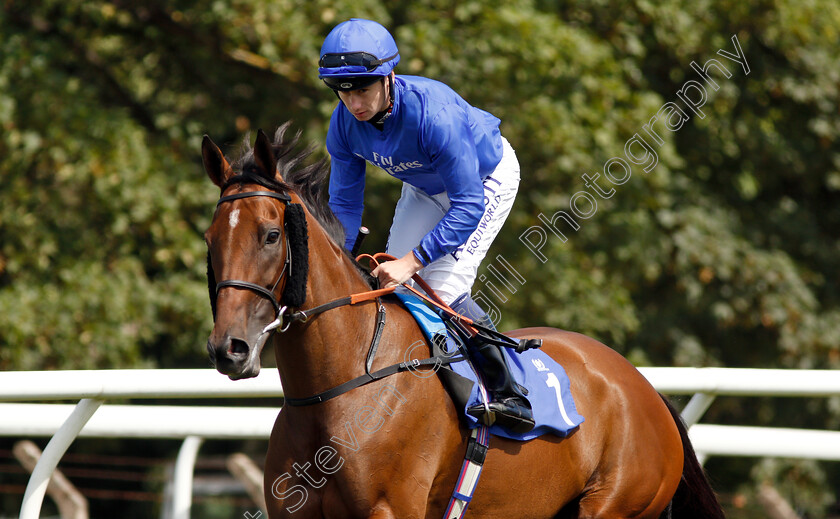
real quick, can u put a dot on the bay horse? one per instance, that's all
(393, 448)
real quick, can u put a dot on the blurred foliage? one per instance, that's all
(801, 479)
(726, 253)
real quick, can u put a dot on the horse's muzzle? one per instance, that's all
(235, 357)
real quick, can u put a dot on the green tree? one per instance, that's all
(724, 253)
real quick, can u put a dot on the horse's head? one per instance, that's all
(257, 253)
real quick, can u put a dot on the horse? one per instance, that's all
(393, 448)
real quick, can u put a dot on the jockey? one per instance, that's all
(460, 177)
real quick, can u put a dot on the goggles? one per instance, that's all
(363, 60)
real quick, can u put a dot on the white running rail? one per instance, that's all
(64, 422)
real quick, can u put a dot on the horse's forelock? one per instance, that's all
(308, 181)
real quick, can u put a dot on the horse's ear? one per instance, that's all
(264, 156)
(215, 164)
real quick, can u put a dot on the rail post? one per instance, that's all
(33, 498)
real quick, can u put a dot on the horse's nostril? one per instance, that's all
(238, 347)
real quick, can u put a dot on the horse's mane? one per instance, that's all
(306, 180)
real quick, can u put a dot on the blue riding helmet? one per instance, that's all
(357, 53)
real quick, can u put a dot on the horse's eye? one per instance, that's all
(272, 237)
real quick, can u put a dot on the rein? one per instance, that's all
(468, 328)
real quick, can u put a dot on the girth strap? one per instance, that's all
(477, 446)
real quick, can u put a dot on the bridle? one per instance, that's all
(284, 316)
(279, 311)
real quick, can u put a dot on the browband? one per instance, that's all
(279, 196)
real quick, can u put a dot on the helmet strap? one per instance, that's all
(378, 120)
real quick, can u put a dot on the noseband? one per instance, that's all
(279, 311)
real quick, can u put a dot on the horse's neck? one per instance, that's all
(330, 348)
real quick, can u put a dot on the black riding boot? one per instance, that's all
(509, 408)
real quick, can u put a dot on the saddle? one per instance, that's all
(545, 382)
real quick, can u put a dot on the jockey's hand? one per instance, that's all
(392, 273)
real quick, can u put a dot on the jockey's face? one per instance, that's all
(366, 102)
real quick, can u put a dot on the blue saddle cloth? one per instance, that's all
(549, 389)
